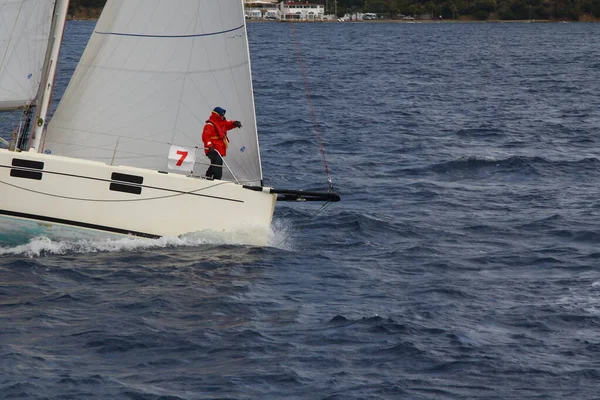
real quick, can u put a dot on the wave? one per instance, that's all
(472, 163)
(354, 228)
(523, 166)
(278, 237)
(480, 132)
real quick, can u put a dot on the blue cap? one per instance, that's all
(219, 111)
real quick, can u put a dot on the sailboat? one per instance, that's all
(122, 154)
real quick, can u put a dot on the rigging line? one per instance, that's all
(308, 96)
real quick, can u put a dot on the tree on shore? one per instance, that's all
(86, 8)
(448, 9)
(88, 3)
(473, 9)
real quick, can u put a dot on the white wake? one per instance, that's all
(278, 237)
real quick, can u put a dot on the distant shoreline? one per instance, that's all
(400, 21)
(449, 21)
(453, 21)
(431, 21)
(93, 13)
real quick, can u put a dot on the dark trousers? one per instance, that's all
(215, 171)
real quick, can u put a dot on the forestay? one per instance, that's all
(150, 76)
(24, 32)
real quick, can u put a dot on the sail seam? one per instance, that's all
(146, 72)
(168, 36)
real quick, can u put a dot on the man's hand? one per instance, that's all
(237, 124)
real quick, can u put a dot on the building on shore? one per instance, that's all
(284, 10)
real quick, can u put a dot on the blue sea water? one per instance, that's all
(462, 263)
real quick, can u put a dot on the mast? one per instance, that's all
(47, 85)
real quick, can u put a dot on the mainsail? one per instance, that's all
(149, 78)
(24, 31)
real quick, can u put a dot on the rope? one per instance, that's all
(312, 110)
(319, 137)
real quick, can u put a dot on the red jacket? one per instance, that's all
(215, 133)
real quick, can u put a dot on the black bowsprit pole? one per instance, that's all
(298, 195)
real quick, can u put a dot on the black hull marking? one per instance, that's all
(18, 162)
(77, 224)
(26, 174)
(118, 187)
(116, 176)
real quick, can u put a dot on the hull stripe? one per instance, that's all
(77, 224)
(193, 193)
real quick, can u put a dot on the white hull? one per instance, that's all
(65, 194)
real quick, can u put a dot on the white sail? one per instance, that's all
(149, 78)
(24, 32)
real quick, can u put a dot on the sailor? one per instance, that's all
(216, 141)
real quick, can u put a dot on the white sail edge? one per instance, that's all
(253, 102)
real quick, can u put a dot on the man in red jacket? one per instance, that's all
(216, 141)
